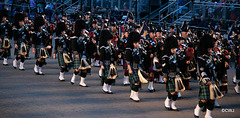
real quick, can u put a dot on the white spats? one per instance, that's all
(35, 69)
(134, 96)
(73, 79)
(217, 105)
(234, 80)
(197, 111)
(105, 87)
(5, 62)
(61, 76)
(21, 67)
(109, 89)
(150, 86)
(208, 114)
(179, 95)
(40, 71)
(173, 106)
(121, 62)
(97, 63)
(236, 88)
(167, 103)
(15, 63)
(161, 79)
(126, 80)
(82, 82)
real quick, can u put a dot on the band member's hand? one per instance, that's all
(0, 40)
(209, 83)
(93, 41)
(151, 55)
(33, 51)
(16, 46)
(130, 71)
(119, 56)
(102, 67)
(164, 79)
(77, 56)
(54, 56)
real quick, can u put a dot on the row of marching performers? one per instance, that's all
(137, 54)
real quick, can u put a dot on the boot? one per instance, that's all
(167, 103)
(61, 76)
(217, 105)
(234, 80)
(21, 66)
(109, 89)
(15, 63)
(236, 88)
(150, 87)
(5, 63)
(161, 80)
(40, 71)
(174, 108)
(179, 95)
(208, 114)
(97, 63)
(126, 80)
(131, 95)
(134, 96)
(73, 79)
(197, 111)
(35, 69)
(105, 88)
(82, 82)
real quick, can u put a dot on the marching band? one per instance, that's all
(148, 56)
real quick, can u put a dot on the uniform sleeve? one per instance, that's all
(56, 45)
(15, 35)
(165, 66)
(102, 54)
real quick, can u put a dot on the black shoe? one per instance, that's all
(179, 98)
(168, 108)
(61, 80)
(174, 109)
(218, 106)
(151, 90)
(161, 82)
(105, 91)
(195, 115)
(83, 86)
(5, 64)
(40, 74)
(126, 84)
(15, 67)
(21, 69)
(71, 83)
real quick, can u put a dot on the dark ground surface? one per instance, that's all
(24, 94)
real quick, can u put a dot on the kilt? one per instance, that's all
(60, 59)
(204, 93)
(133, 78)
(37, 53)
(170, 84)
(76, 63)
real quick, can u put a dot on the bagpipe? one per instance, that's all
(6, 43)
(66, 58)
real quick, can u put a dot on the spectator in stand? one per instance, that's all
(193, 21)
(202, 23)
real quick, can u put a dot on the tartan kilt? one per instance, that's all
(37, 53)
(134, 78)
(76, 63)
(204, 93)
(105, 71)
(170, 84)
(60, 59)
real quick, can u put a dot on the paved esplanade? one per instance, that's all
(24, 94)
